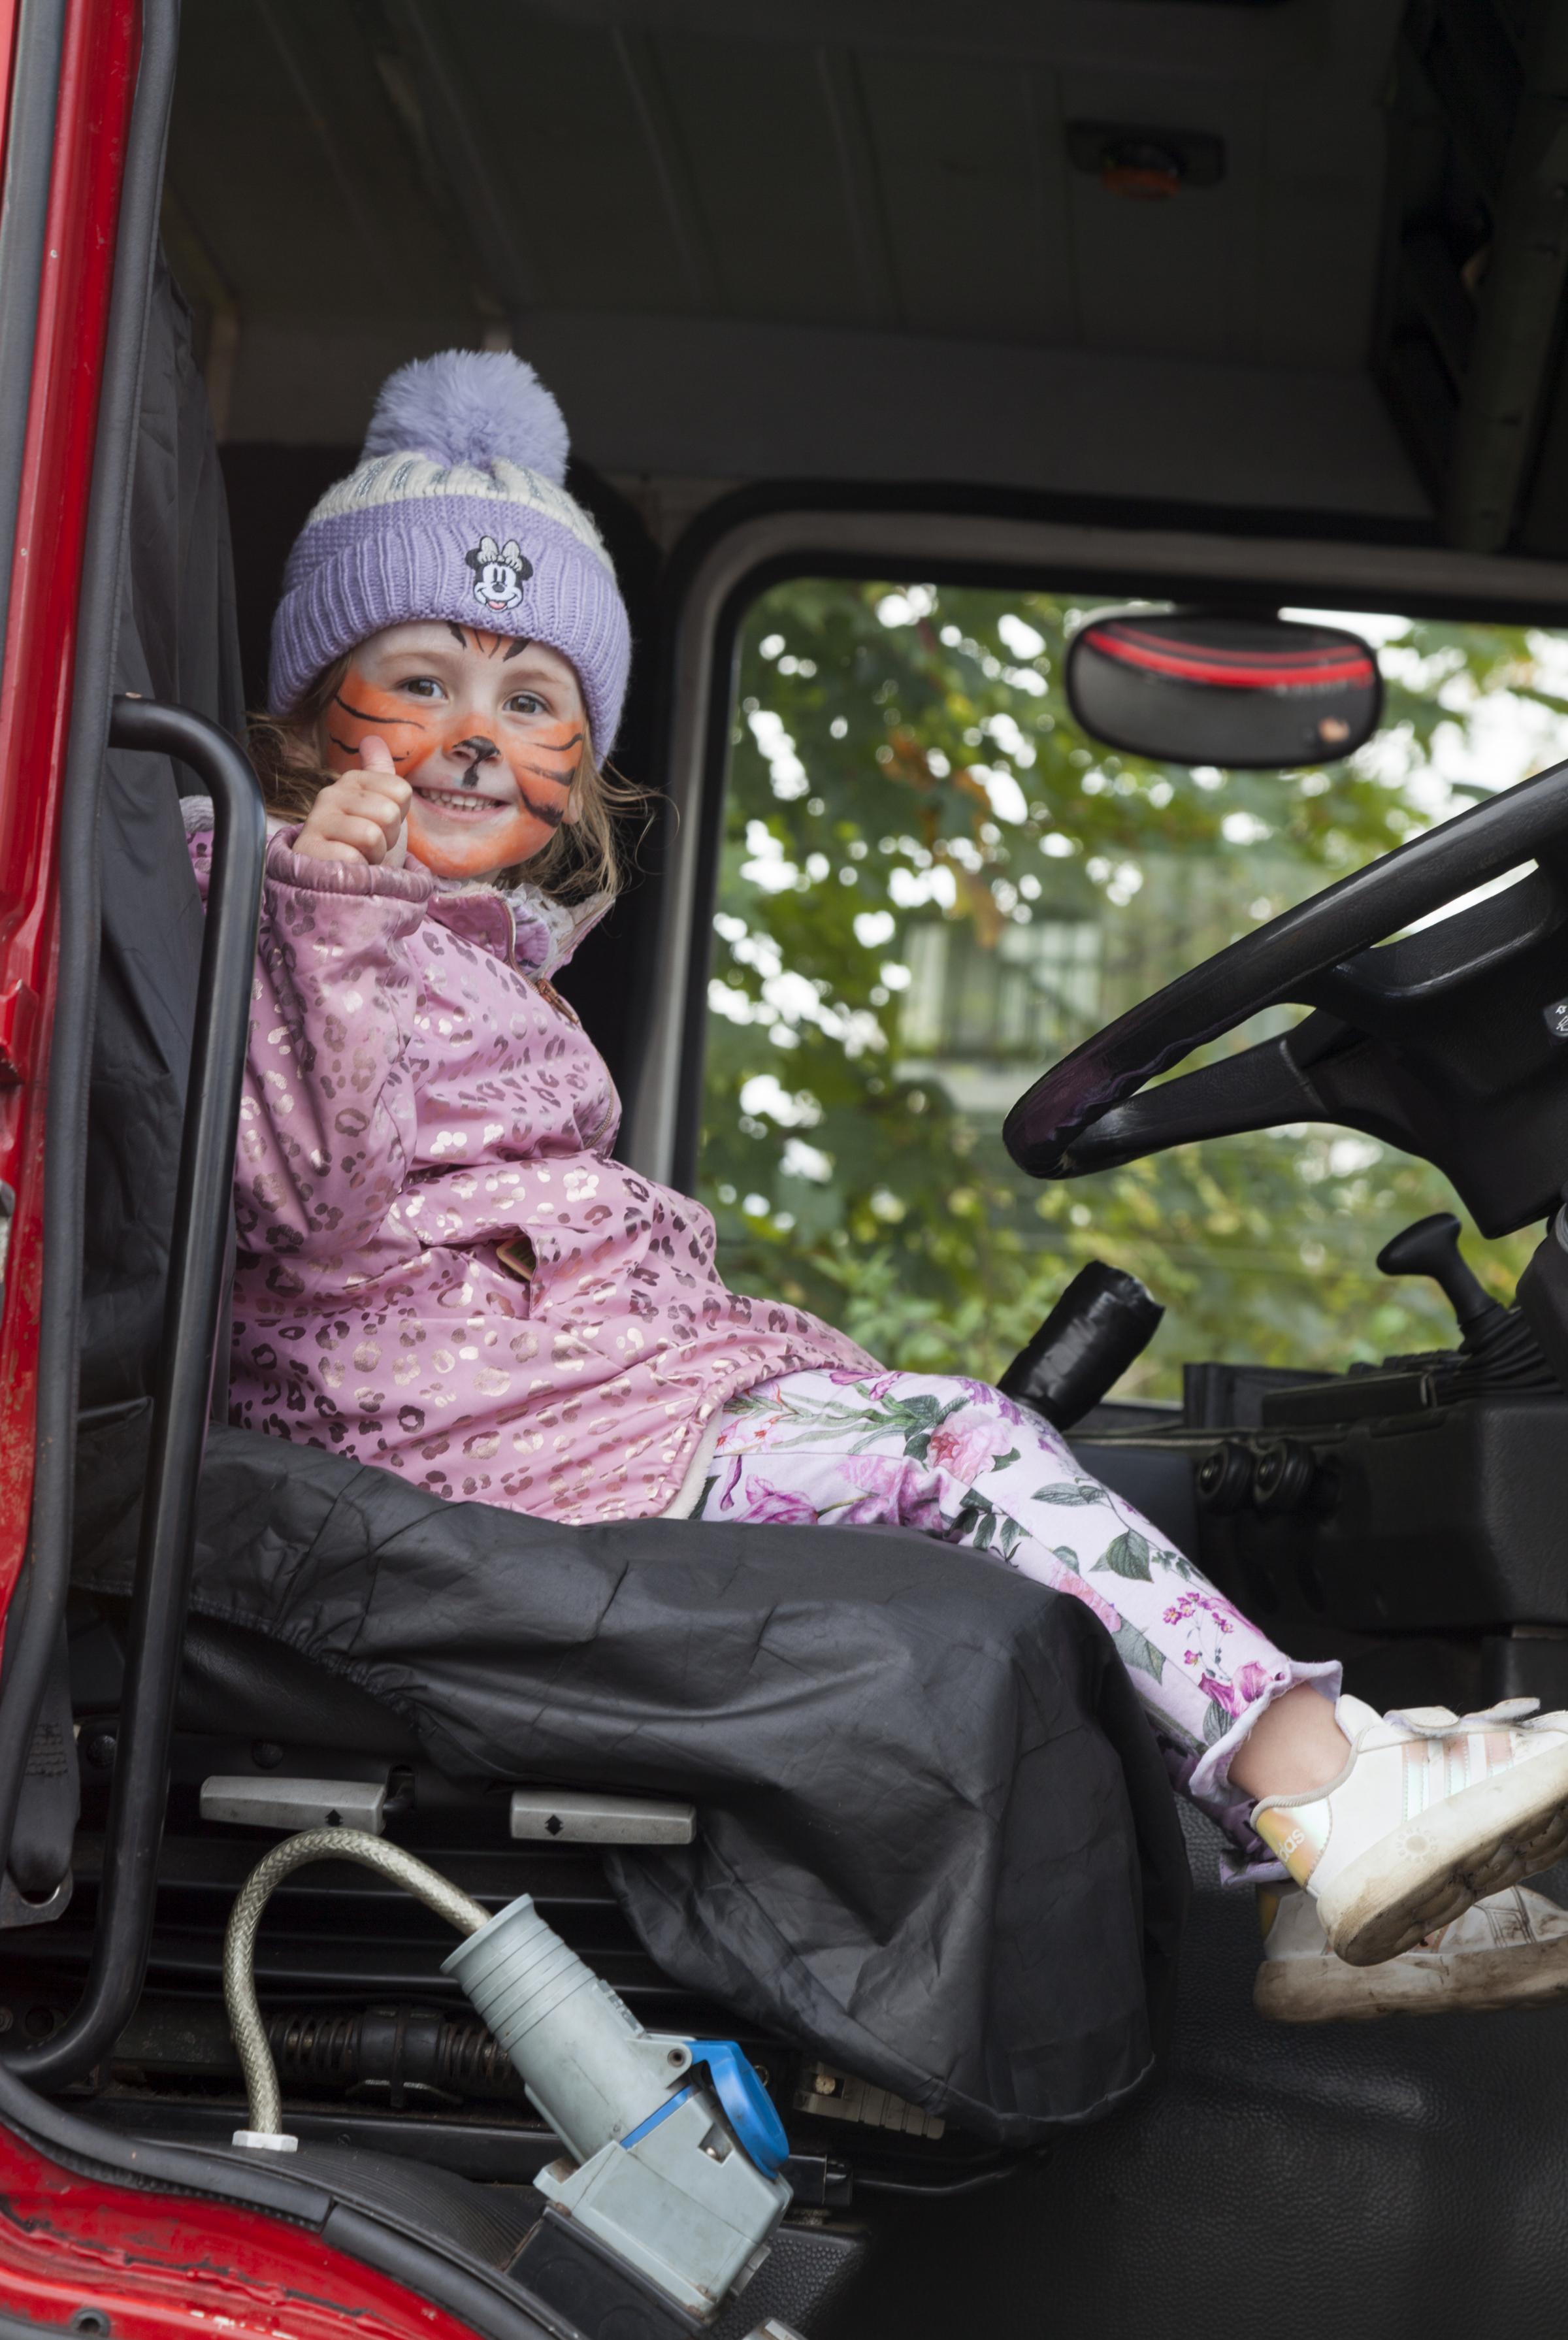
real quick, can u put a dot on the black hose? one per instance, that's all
(396, 2047)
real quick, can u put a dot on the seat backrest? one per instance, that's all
(177, 641)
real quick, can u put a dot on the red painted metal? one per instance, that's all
(164, 2268)
(159, 2267)
(97, 78)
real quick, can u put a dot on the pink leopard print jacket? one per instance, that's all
(416, 1099)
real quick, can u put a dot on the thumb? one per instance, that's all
(375, 755)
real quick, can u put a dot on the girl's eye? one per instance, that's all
(525, 702)
(421, 686)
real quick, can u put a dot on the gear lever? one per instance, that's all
(1502, 1346)
(1431, 1247)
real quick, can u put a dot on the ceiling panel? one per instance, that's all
(1320, 204)
(394, 174)
(291, 168)
(759, 136)
(1187, 39)
(972, 200)
(559, 118)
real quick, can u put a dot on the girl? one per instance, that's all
(443, 1271)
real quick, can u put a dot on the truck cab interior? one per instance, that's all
(884, 335)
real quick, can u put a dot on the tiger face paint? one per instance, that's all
(489, 730)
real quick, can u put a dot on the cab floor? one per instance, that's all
(1372, 2180)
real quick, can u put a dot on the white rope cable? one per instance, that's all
(266, 2110)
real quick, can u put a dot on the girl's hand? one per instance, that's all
(361, 816)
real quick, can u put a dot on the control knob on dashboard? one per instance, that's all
(1286, 1478)
(1224, 1482)
(1274, 1476)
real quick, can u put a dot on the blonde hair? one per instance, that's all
(586, 856)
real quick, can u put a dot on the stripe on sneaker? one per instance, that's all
(1296, 1834)
(1417, 1765)
(1456, 1765)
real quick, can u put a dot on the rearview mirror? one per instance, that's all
(1196, 686)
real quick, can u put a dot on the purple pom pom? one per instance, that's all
(469, 406)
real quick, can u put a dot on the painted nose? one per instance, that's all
(478, 750)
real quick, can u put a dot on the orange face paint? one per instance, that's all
(505, 778)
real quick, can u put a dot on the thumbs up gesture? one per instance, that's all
(362, 815)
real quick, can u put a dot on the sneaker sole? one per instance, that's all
(1429, 1872)
(1474, 1982)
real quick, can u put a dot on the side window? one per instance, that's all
(932, 886)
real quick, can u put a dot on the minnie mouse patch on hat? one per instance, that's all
(458, 505)
(499, 571)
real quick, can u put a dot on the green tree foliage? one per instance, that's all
(903, 758)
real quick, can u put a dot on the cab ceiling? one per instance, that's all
(834, 239)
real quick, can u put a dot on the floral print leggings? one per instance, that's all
(960, 1462)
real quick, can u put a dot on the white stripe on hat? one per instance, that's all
(412, 478)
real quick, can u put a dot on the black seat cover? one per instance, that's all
(936, 1839)
(238, 1684)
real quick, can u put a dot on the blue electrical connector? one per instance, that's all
(748, 2107)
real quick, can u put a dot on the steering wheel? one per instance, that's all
(1452, 1043)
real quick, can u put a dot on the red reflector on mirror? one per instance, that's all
(1304, 669)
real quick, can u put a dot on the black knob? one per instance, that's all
(1225, 1477)
(1286, 1478)
(1431, 1247)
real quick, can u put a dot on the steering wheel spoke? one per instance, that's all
(1260, 1087)
(1451, 1042)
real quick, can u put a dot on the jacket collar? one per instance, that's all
(519, 923)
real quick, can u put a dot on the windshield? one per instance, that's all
(933, 886)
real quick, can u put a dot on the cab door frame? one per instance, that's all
(87, 108)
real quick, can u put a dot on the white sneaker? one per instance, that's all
(1433, 1811)
(1509, 1950)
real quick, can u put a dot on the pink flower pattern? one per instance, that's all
(967, 1445)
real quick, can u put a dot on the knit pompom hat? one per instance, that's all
(457, 510)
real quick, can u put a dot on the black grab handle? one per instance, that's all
(191, 1309)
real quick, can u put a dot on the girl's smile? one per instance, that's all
(489, 731)
(460, 807)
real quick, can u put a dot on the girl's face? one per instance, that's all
(489, 730)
